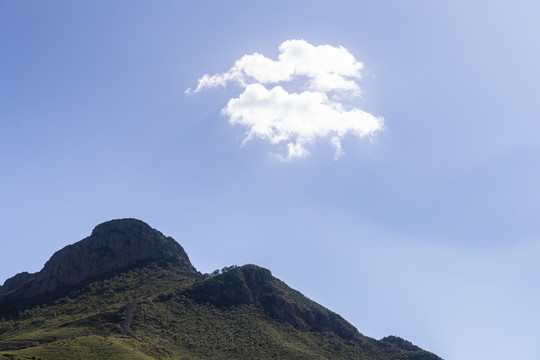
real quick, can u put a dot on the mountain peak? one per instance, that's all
(121, 225)
(112, 246)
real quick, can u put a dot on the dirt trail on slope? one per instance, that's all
(130, 315)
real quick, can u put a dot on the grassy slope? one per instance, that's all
(85, 347)
(85, 323)
(227, 327)
(172, 322)
(204, 331)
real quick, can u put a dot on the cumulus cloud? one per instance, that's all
(297, 119)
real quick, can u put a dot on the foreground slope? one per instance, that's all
(137, 296)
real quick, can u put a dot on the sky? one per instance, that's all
(381, 157)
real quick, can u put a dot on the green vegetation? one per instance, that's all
(86, 317)
(90, 347)
(238, 313)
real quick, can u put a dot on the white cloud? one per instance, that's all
(296, 119)
(336, 143)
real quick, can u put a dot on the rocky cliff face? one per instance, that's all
(113, 245)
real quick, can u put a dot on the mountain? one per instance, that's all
(129, 292)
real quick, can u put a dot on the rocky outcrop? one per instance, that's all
(16, 282)
(112, 246)
(401, 343)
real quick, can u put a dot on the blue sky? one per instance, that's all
(427, 229)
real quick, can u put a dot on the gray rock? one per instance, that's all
(112, 246)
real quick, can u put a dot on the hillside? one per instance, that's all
(129, 292)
